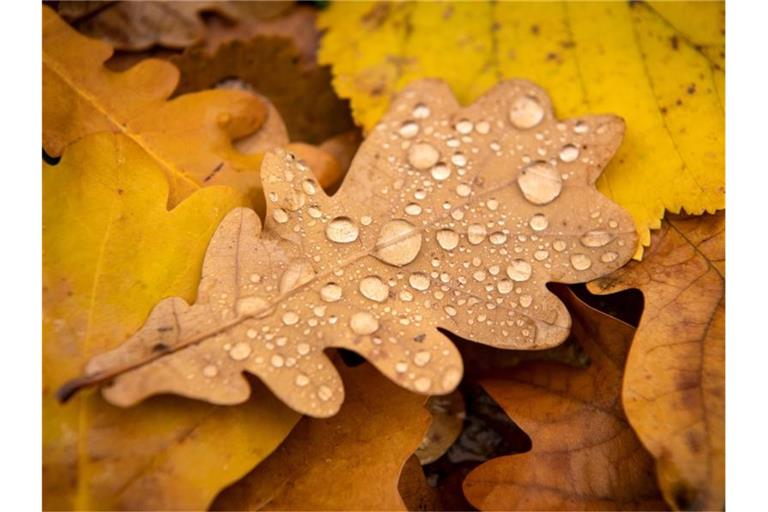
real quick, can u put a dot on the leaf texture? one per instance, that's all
(658, 65)
(674, 387)
(111, 250)
(433, 227)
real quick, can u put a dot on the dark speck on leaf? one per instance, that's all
(535, 30)
(678, 102)
(691, 89)
(674, 42)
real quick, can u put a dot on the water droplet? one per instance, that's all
(479, 275)
(609, 257)
(210, 371)
(580, 261)
(519, 270)
(464, 126)
(463, 190)
(596, 238)
(450, 311)
(299, 272)
(251, 333)
(373, 288)
(301, 380)
(363, 323)
(277, 361)
(421, 358)
(526, 112)
(413, 209)
(399, 243)
(421, 111)
(366, 220)
(447, 239)
(451, 377)
(324, 393)
(331, 292)
(401, 367)
(540, 183)
(342, 230)
(476, 233)
(314, 212)
(441, 172)
(526, 300)
(492, 204)
(290, 318)
(559, 245)
(423, 155)
(483, 127)
(409, 130)
(253, 305)
(405, 296)
(581, 127)
(539, 222)
(541, 255)
(419, 281)
(240, 351)
(309, 187)
(422, 384)
(505, 286)
(497, 238)
(255, 278)
(569, 153)
(280, 216)
(459, 160)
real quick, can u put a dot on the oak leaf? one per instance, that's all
(449, 217)
(585, 455)
(349, 462)
(674, 386)
(111, 251)
(658, 65)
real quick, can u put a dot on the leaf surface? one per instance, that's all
(349, 462)
(660, 66)
(585, 455)
(111, 251)
(433, 227)
(674, 387)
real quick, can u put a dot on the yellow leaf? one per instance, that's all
(111, 251)
(659, 66)
(189, 137)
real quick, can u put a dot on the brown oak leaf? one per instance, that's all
(674, 387)
(449, 217)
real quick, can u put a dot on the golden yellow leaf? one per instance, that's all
(433, 227)
(674, 386)
(111, 250)
(658, 66)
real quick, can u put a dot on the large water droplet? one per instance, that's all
(290, 318)
(409, 130)
(299, 272)
(441, 172)
(280, 216)
(519, 270)
(399, 243)
(540, 183)
(240, 351)
(596, 238)
(342, 230)
(421, 111)
(464, 126)
(363, 323)
(421, 358)
(498, 238)
(331, 292)
(569, 153)
(448, 239)
(413, 209)
(373, 288)
(419, 281)
(423, 155)
(476, 233)
(539, 222)
(580, 261)
(526, 112)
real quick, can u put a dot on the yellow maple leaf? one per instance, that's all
(111, 251)
(660, 66)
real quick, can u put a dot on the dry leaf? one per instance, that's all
(110, 252)
(444, 220)
(447, 421)
(585, 456)
(271, 66)
(349, 462)
(659, 65)
(674, 387)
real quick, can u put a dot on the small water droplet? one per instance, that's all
(483, 127)
(423, 155)
(479, 275)
(476, 233)
(569, 153)
(290, 318)
(342, 230)
(253, 305)
(421, 111)
(422, 384)
(519, 270)
(459, 160)
(505, 286)
(526, 300)
(280, 216)
(450, 378)
(540, 183)
(210, 371)
(448, 239)
(421, 358)
(255, 278)
(419, 281)
(240, 351)
(541, 255)
(366, 220)
(299, 272)
(324, 393)
(301, 380)
(498, 238)
(251, 333)
(413, 209)
(526, 112)
(464, 126)
(363, 323)
(580, 261)
(373, 288)
(331, 292)
(581, 127)
(559, 245)
(314, 212)
(277, 361)
(399, 243)
(401, 367)
(463, 190)
(309, 187)
(441, 172)
(596, 238)
(609, 257)
(492, 205)
(539, 222)
(409, 130)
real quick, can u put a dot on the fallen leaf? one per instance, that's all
(585, 455)
(432, 227)
(674, 386)
(349, 462)
(447, 420)
(110, 251)
(630, 58)
(189, 137)
(271, 66)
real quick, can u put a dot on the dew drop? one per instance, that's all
(526, 112)
(309, 187)
(559, 245)
(331, 292)
(421, 111)
(419, 281)
(290, 318)
(539, 222)
(373, 288)
(492, 205)
(450, 311)
(459, 160)
(421, 358)
(277, 361)
(301, 380)
(476, 233)
(483, 127)
(441, 172)
(541, 255)
(255, 278)
(314, 212)
(569, 153)
(303, 349)
(519, 270)
(210, 371)
(463, 190)
(540, 183)
(413, 209)
(240, 351)
(399, 243)
(450, 378)
(447, 239)
(253, 305)
(596, 238)
(280, 216)
(299, 272)
(422, 384)
(409, 130)
(609, 257)
(478, 275)
(363, 323)
(366, 220)
(505, 286)
(342, 230)
(324, 393)
(251, 333)
(580, 261)
(526, 300)
(401, 367)
(498, 238)
(423, 155)
(581, 127)
(464, 126)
